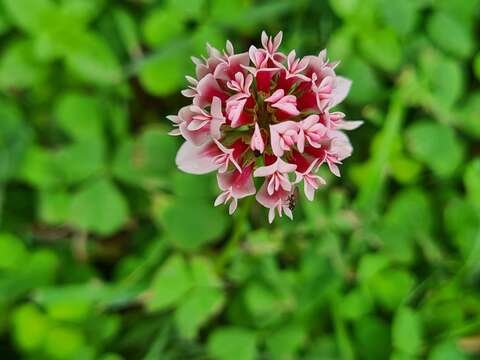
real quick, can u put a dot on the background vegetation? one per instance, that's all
(108, 252)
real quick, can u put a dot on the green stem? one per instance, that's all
(372, 187)
(156, 253)
(237, 233)
(343, 338)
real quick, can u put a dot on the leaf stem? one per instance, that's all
(372, 187)
(343, 338)
(237, 233)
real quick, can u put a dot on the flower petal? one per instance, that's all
(193, 160)
(340, 90)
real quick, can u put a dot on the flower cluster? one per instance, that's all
(263, 114)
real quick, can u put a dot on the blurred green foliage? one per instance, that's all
(108, 252)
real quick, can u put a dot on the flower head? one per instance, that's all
(263, 114)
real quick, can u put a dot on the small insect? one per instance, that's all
(292, 198)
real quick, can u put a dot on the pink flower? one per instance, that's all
(335, 121)
(235, 185)
(276, 201)
(231, 64)
(262, 113)
(312, 131)
(295, 67)
(197, 125)
(283, 136)
(277, 175)
(292, 72)
(285, 103)
(208, 88)
(257, 143)
(337, 149)
(236, 112)
(311, 181)
(206, 158)
(225, 158)
(208, 65)
(241, 84)
(341, 88)
(271, 45)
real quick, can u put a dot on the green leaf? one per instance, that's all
(464, 11)
(405, 170)
(263, 303)
(79, 115)
(370, 265)
(355, 304)
(203, 273)
(391, 287)
(83, 10)
(437, 146)
(138, 162)
(38, 168)
(29, 327)
(29, 15)
(401, 228)
(444, 78)
(18, 67)
(470, 179)
(13, 253)
(162, 25)
(54, 206)
(199, 305)
(401, 15)
(246, 17)
(191, 223)
(476, 66)
(99, 207)
(5, 24)
(368, 328)
(170, 284)
(127, 28)
(447, 350)
(79, 161)
(397, 355)
(64, 342)
(407, 331)
(459, 214)
(284, 343)
(208, 34)
(38, 270)
(340, 44)
(451, 35)
(92, 59)
(467, 120)
(344, 8)
(15, 137)
(381, 48)
(366, 85)
(194, 186)
(232, 343)
(164, 74)
(188, 9)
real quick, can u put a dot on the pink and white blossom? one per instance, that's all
(263, 114)
(277, 175)
(235, 185)
(284, 103)
(311, 131)
(311, 181)
(283, 137)
(257, 143)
